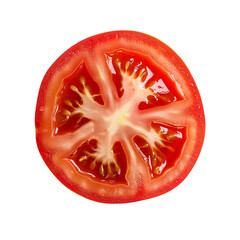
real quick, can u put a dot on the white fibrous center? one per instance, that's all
(121, 121)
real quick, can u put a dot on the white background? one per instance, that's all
(35, 205)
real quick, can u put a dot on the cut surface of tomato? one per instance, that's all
(119, 118)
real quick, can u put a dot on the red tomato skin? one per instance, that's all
(196, 110)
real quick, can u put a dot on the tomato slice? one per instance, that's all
(119, 118)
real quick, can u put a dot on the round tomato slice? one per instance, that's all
(119, 118)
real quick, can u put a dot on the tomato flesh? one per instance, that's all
(152, 77)
(69, 116)
(117, 125)
(112, 172)
(162, 157)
